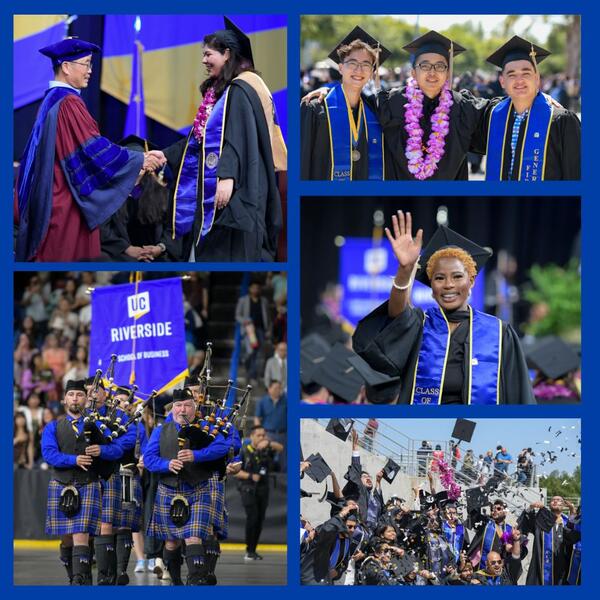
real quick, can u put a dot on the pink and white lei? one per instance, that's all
(423, 168)
(447, 480)
(204, 110)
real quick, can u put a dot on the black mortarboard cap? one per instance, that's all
(404, 565)
(337, 375)
(379, 387)
(463, 430)
(544, 519)
(476, 498)
(426, 500)
(68, 50)
(134, 142)
(341, 428)
(517, 48)
(77, 385)
(553, 357)
(434, 42)
(182, 394)
(319, 470)
(336, 503)
(358, 33)
(313, 350)
(243, 41)
(445, 237)
(390, 470)
(441, 498)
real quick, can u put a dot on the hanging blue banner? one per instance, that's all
(142, 323)
(366, 271)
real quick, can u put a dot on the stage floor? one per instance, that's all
(41, 566)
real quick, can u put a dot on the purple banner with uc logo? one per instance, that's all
(142, 323)
(366, 269)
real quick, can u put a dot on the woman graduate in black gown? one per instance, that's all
(340, 137)
(451, 353)
(226, 205)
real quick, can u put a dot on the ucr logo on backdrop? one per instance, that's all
(142, 323)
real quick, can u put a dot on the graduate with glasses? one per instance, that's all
(341, 139)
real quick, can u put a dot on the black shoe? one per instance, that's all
(78, 580)
(211, 579)
(123, 579)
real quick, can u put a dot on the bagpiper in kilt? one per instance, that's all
(78, 454)
(184, 506)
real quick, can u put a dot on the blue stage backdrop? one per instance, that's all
(142, 323)
(366, 269)
(171, 60)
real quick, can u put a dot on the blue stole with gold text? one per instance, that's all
(485, 346)
(340, 137)
(532, 160)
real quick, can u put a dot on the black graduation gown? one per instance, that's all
(537, 523)
(314, 563)
(464, 119)
(315, 154)
(392, 346)
(356, 490)
(248, 228)
(563, 159)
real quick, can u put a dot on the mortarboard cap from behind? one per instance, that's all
(134, 142)
(432, 42)
(337, 375)
(358, 33)
(553, 357)
(69, 50)
(313, 350)
(445, 237)
(518, 48)
(404, 565)
(380, 388)
(319, 470)
(441, 498)
(243, 46)
(341, 428)
(463, 430)
(390, 470)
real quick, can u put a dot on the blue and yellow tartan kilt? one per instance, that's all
(111, 500)
(131, 516)
(201, 513)
(221, 521)
(87, 520)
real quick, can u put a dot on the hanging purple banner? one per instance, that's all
(142, 323)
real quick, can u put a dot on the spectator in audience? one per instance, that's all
(22, 443)
(276, 367)
(271, 413)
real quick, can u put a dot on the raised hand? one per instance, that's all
(406, 249)
(319, 94)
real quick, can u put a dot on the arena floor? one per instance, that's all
(37, 564)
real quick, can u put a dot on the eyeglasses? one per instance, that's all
(495, 562)
(88, 66)
(437, 67)
(355, 65)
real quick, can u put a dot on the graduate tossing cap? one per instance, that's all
(444, 237)
(518, 48)
(68, 50)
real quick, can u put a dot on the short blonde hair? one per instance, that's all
(453, 252)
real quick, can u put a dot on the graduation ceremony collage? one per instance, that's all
(252, 420)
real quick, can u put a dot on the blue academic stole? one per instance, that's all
(575, 564)
(489, 535)
(200, 158)
(454, 537)
(532, 160)
(485, 350)
(548, 553)
(340, 136)
(335, 557)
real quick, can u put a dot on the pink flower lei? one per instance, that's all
(204, 110)
(423, 168)
(447, 480)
